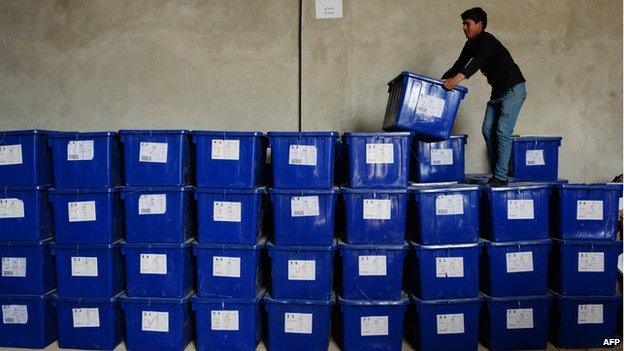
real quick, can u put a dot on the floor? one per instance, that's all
(332, 347)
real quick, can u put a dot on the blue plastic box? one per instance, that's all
(378, 160)
(535, 158)
(375, 216)
(517, 212)
(298, 324)
(372, 272)
(89, 323)
(25, 159)
(228, 271)
(444, 271)
(422, 104)
(158, 270)
(157, 323)
(516, 323)
(28, 321)
(229, 216)
(441, 161)
(25, 214)
(580, 268)
(372, 325)
(228, 324)
(27, 267)
(303, 160)
(161, 215)
(229, 159)
(301, 272)
(445, 215)
(89, 265)
(86, 160)
(515, 268)
(157, 157)
(585, 211)
(583, 321)
(304, 216)
(87, 216)
(482, 178)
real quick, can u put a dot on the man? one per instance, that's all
(484, 52)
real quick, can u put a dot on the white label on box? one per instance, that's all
(590, 314)
(153, 204)
(520, 209)
(377, 209)
(10, 155)
(224, 320)
(298, 323)
(535, 158)
(80, 150)
(84, 266)
(591, 262)
(14, 267)
(269, 155)
(153, 264)
(153, 152)
(447, 205)
(301, 270)
(304, 206)
(155, 321)
(379, 153)
(328, 9)
(441, 157)
(302, 155)
(229, 267)
(226, 211)
(589, 210)
(373, 325)
(11, 208)
(449, 267)
(520, 318)
(518, 262)
(86, 317)
(225, 149)
(450, 323)
(81, 211)
(14, 314)
(372, 265)
(620, 204)
(430, 105)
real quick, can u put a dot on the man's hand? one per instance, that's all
(451, 83)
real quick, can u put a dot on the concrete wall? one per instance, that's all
(232, 64)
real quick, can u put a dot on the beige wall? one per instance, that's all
(232, 64)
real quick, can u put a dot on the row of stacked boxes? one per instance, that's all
(443, 222)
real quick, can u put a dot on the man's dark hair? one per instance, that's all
(476, 14)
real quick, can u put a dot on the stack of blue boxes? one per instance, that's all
(514, 267)
(229, 173)
(302, 249)
(159, 231)
(584, 264)
(27, 281)
(371, 303)
(88, 225)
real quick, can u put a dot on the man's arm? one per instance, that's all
(461, 62)
(480, 56)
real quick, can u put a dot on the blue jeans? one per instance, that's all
(498, 125)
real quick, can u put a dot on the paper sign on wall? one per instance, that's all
(225, 149)
(10, 155)
(14, 267)
(373, 325)
(298, 323)
(328, 9)
(11, 208)
(80, 150)
(153, 152)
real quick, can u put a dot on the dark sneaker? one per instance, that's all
(495, 182)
